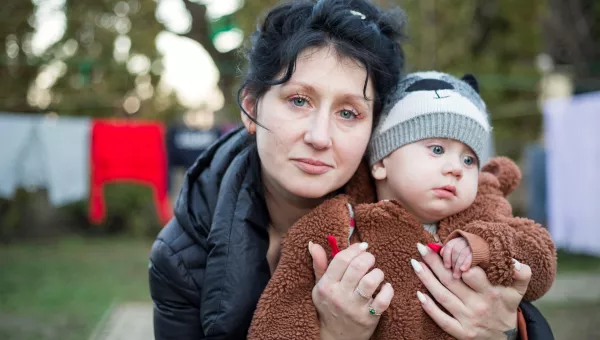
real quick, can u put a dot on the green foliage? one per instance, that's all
(90, 81)
(573, 262)
(497, 41)
(17, 64)
(129, 211)
(95, 83)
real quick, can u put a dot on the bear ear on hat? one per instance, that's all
(470, 79)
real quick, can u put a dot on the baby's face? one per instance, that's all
(432, 178)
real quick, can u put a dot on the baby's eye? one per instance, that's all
(468, 160)
(437, 149)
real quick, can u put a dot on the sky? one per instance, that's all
(188, 69)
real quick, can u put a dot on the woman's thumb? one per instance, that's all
(522, 276)
(319, 258)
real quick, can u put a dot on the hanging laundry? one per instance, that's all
(65, 142)
(16, 133)
(535, 178)
(185, 144)
(128, 151)
(573, 160)
(45, 152)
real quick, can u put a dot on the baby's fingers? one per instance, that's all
(459, 261)
(447, 255)
(466, 265)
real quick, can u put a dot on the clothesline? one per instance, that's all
(74, 157)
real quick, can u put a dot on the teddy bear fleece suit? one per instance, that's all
(286, 310)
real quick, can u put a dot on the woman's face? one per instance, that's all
(319, 124)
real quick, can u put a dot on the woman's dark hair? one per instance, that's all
(356, 29)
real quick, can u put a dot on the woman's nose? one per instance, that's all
(317, 134)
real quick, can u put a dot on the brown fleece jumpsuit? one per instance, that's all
(286, 310)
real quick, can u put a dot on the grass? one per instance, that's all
(571, 262)
(573, 320)
(61, 290)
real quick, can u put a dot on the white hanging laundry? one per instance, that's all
(40, 151)
(65, 142)
(16, 132)
(572, 137)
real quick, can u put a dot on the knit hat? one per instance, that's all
(432, 105)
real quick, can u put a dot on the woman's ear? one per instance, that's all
(378, 171)
(249, 105)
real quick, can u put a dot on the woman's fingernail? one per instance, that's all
(416, 265)
(422, 249)
(310, 247)
(517, 265)
(363, 246)
(421, 297)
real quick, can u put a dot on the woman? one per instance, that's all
(316, 79)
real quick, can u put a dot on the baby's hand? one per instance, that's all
(458, 255)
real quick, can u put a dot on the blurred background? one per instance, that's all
(73, 254)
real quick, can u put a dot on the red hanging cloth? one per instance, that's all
(128, 151)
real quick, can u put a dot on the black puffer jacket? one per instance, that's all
(208, 265)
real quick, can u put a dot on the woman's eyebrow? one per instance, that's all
(311, 89)
(304, 86)
(358, 98)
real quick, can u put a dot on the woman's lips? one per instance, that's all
(311, 166)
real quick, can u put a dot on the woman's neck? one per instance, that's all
(285, 208)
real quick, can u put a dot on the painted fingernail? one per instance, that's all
(422, 249)
(416, 265)
(517, 265)
(363, 246)
(310, 244)
(421, 297)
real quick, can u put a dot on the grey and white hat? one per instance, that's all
(432, 105)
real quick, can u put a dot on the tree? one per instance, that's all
(498, 42)
(19, 64)
(105, 63)
(571, 38)
(228, 62)
(107, 53)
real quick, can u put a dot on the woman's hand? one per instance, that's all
(344, 292)
(478, 309)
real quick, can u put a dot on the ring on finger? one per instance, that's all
(373, 311)
(364, 296)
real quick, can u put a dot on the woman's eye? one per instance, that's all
(347, 114)
(468, 160)
(299, 101)
(437, 149)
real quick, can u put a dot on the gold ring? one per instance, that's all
(362, 295)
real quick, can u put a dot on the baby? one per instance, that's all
(425, 159)
(426, 154)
